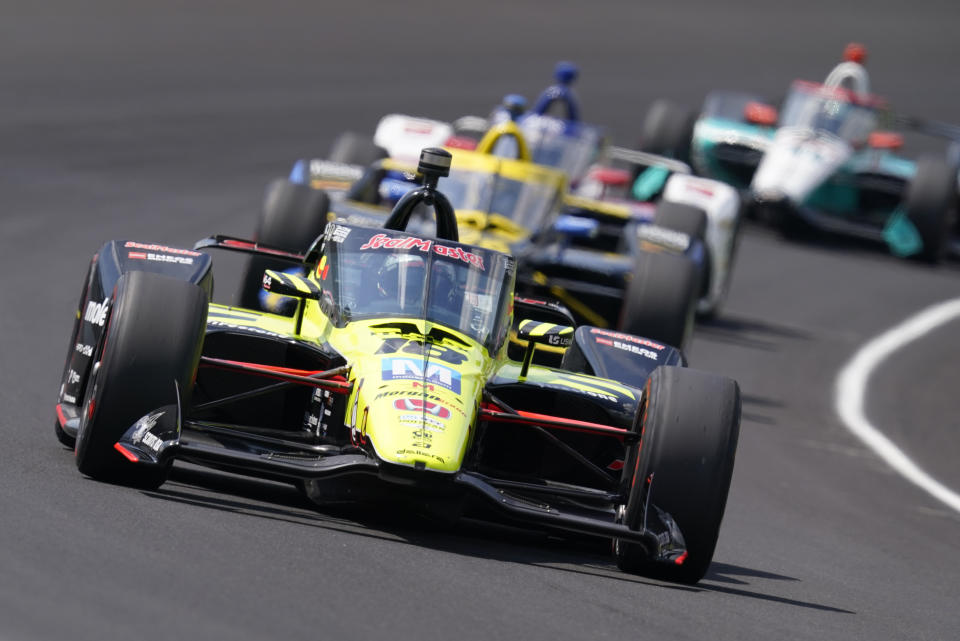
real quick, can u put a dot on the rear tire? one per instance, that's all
(692, 221)
(931, 197)
(293, 217)
(690, 428)
(660, 301)
(668, 130)
(355, 149)
(153, 339)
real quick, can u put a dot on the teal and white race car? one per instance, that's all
(827, 156)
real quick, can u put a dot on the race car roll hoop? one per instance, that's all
(434, 165)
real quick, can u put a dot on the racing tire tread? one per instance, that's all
(690, 427)
(154, 338)
(930, 204)
(661, 298)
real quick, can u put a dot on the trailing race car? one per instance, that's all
(391, 381)
(651, 188)
(611, 269)
(822, 158)
(555, 135)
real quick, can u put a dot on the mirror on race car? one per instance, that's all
(545, 333)
(289, 284)
(538, 333)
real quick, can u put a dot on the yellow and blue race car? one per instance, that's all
(611, 269)
(391, 380)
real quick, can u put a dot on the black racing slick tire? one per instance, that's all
(661, 298)
(689, 220)
(668, 130)
(355, 149)
(686, 219)
(293, 216)
(148, 359)
(683, 466)
(931, 200)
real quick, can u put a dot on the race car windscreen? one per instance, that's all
(823, 109)
(556, 143)
(373, 273)
(525, 203)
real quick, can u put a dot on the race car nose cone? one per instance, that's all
(434, 162)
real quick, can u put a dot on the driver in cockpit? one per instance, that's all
(401, 281)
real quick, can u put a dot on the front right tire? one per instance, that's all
(930, 204)
(683, 465)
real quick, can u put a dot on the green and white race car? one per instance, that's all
(392, 379)
(826, 156)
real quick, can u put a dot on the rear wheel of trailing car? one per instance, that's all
(931, 199)
(355, 149)
(293, 216)
(691, 221)
(668, 130)
(661, 298)
(150, 354)
(690, 426)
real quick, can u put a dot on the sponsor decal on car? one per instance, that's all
(161, 248)
(417, 370)
(142, 434)
(96, 313)
(70, 398)
(626, 337)
(420, 419)
(160, 258)
(429, 397)
(339, 233)
(85, 350)
(418, 452)
(334, 170)
(72, 377)
(382, 241)
(633, 349)
(664, 237)
(428, 407)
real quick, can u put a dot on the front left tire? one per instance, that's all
(147, 359)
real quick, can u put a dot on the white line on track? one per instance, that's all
(851, 389)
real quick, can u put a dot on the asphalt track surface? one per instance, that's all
(163, 122)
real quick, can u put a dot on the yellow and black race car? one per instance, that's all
(392, 379)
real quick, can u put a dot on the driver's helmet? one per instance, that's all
(444, 291)
(401, 279)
